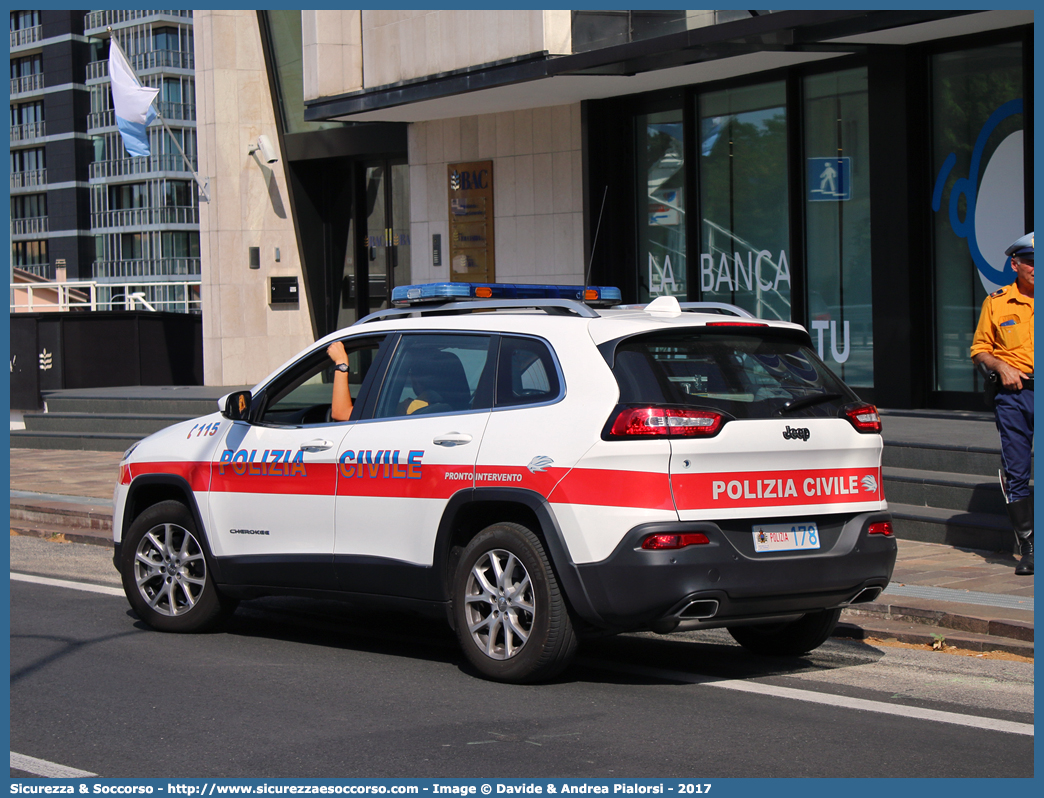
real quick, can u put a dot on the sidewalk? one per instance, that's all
(971, 598)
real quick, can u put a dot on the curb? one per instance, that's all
(922, 634)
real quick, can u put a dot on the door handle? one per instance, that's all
(452, 439)
(317, 445)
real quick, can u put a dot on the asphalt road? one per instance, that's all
(298, 688)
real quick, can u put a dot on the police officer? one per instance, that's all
(1003, 343)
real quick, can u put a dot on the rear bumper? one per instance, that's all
(725, 583)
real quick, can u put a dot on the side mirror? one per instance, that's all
(236, 406)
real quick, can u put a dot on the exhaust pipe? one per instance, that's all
(866, 595)
(699, 610)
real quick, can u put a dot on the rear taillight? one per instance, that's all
(736, 324)
(864, 417)
(679, 541)
(664, 422)
(880, 528)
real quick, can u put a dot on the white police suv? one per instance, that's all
(533, 468)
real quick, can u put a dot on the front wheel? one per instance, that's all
(511, 618)
(788, 639)
(165, 574)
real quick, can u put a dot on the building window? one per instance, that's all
(178, 194)
(28, 160)
(27, 113)
(978, 194)
(22, 20)
(132, 246)
(837, 222)
(744, 232)
(660, 183)
(29, 253)
(28, 206)
(130, 195)
(26, 67)
(180, 245)
(165, 39)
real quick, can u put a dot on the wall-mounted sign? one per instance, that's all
(471, 222)
(829, 179)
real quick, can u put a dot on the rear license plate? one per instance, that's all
(786, 537)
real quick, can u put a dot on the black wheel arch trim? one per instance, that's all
(188, 498)
(550, 532)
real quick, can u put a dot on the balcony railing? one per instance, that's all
(27, 83)
(122, 167)
(33, 225)
(153, 267)
(32, 178)
(142, 217)
(155, 59)
(179, 296)
(28, 131)
(172, 112)
(101, 19)
(20, 38)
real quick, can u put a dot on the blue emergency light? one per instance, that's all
(406, 295)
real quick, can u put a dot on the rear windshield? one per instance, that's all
(749, 375)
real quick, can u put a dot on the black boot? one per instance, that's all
(1021, 515)
(1025, 566)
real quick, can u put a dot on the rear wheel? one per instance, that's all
(788, 639)
(165, 573)
(511, 619)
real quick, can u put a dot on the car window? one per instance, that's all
(526, 374)
(437, 373)
(302, 395)
(747, 376)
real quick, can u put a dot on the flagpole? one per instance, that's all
(204, 194)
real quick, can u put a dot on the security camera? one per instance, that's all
(264, 146)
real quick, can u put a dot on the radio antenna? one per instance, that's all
(598, 227)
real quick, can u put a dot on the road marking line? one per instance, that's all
(43, 580)
(844, 702)
(50, 770)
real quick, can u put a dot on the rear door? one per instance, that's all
(785, 445)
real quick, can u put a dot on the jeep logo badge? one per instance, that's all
(796, 434)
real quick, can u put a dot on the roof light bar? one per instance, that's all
(429, 293)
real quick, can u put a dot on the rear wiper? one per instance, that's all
(807, 401)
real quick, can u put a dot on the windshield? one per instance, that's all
(749, 375)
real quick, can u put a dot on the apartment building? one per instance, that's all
(79, 201)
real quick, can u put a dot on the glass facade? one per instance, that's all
(837, 222)
(977, 196)
(661, 205)
(743, 175)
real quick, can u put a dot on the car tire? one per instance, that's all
(165, 572)
(510, 616)
(787, 639)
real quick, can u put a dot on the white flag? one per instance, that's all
(131, 101)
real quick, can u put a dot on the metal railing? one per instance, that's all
(28, 131)
(172, 112)
(27, 83)
(179, 296)
(154, 59)
(32, 225)
(142, 217)
(121, 167)
(146, 267)
(101, 19)
(31, 178)
(25, 36)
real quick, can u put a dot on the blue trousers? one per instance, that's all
(1015, 424)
